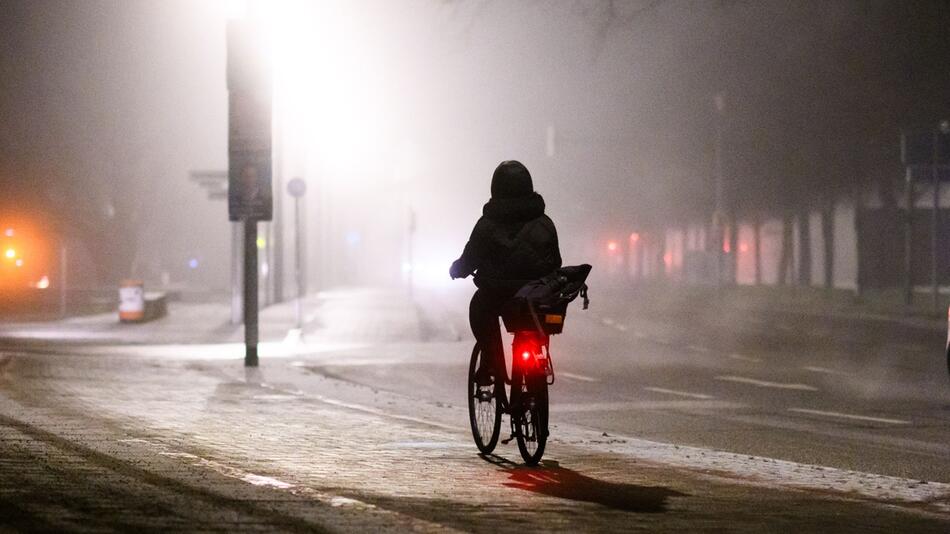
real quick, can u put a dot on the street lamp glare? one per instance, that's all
(235, 9)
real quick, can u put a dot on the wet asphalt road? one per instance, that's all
(858, 394)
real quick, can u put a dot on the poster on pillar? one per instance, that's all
(249, 192)
(249, 160)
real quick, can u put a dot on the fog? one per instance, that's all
(390, 107)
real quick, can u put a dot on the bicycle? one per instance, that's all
(532, 320)
(532, 373)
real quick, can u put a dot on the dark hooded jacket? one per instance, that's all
(513, 241)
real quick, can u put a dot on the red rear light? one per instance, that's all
(528, 349)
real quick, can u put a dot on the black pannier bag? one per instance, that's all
(542, 304)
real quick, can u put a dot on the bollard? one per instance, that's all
(131, 301)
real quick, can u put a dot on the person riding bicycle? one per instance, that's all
(512, 243)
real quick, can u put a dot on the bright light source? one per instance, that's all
(326, 83)
(634, 237)
(525, 355)
(743, 247)
(9, 232)
(43, 283)
(612, 246)
(261, 242)
(429, 271)
(235, 9)
(19, 262)
(725, 247)
(668, 259)
(193, 263)
(10, 253)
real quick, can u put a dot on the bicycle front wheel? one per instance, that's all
(484, 406)
(531, 419)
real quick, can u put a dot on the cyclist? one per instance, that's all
(512, 243)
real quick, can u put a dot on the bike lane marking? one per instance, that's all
(680, 393)
(633, 406)
(580, 378)
(744, 358)
(825, 370)
(766, 383)
(840, 415)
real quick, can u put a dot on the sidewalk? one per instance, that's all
(873, 307)
(373, 315)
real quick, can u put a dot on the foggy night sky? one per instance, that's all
(105, 107)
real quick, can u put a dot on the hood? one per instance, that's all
(524, 208)
(511, 180)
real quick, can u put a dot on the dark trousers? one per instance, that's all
(483, 314)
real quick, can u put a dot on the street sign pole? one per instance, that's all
(412, 235)
(297, 188)
(250, 293)
(277, 250)
(298, 270)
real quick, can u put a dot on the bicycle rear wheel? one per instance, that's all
(531, 419)
(484, 406)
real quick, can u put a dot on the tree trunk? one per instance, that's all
(635, 260)
(785, 257)
(645, 256)
(860, 283)
(828, 241)
(624, 246)
(734, 250)
(804, 248)
(757, 244)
